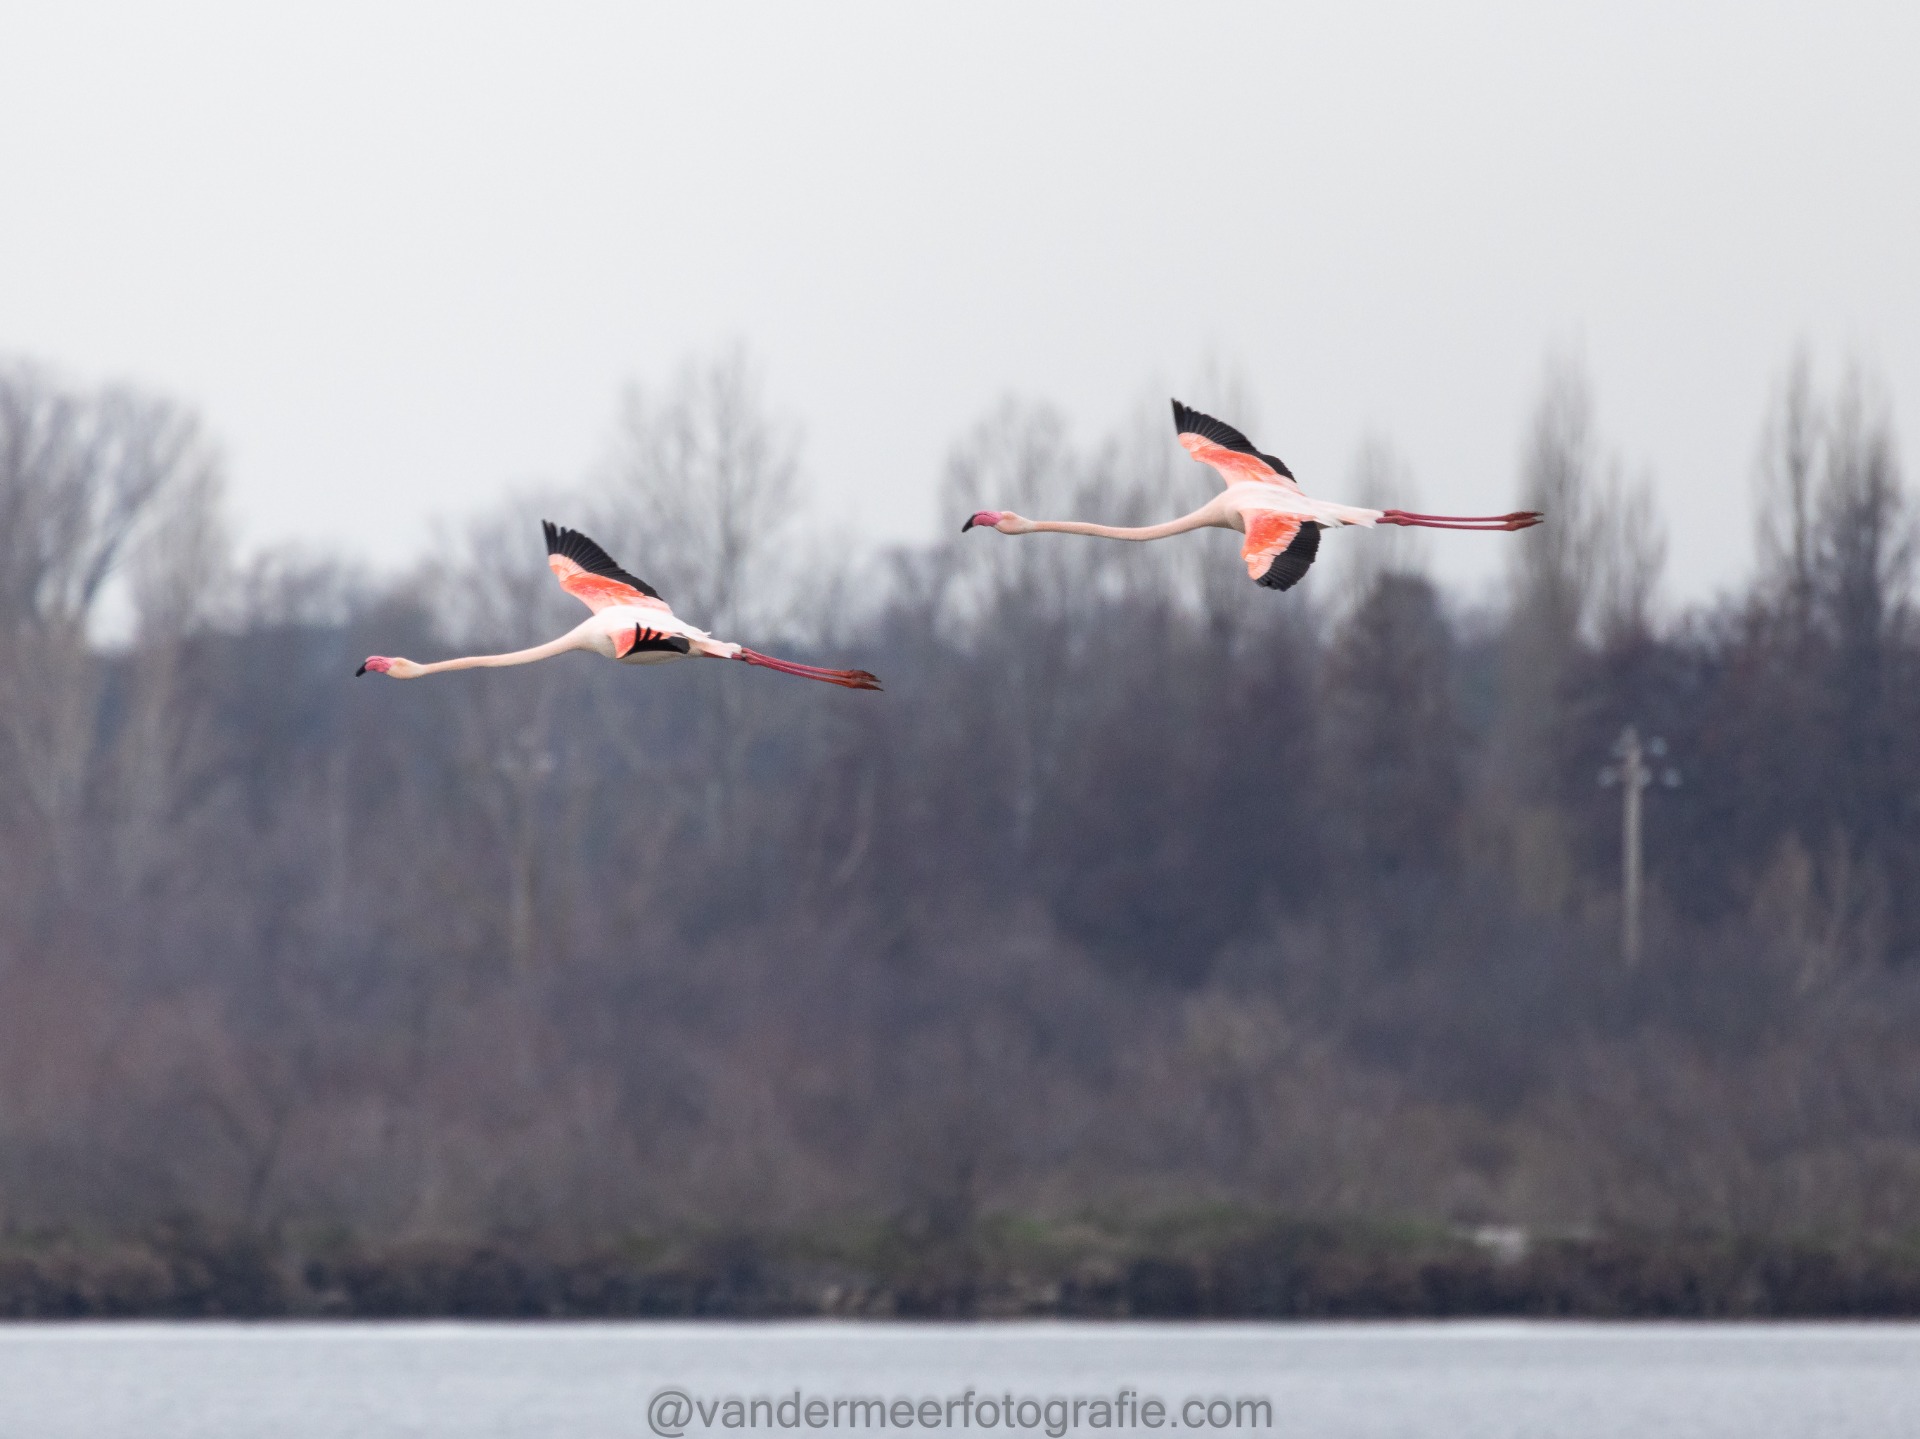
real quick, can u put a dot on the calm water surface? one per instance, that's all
(596, 1381)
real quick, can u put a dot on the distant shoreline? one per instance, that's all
(1276, 1271)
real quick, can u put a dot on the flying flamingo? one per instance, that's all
(629, 623)
(1262, 500)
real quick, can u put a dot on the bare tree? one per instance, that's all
(79, 475)
(1864, 554)
(166, 758)
(703, 499)
(1864, 548)
(1784, 492)
(705, 488)
(1380, 477)
(1552, 590)
(1018, 456)
(1629, 556)
(1561, 473)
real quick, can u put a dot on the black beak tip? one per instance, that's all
(968, 525)
(362, 670)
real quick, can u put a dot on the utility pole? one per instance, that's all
(1633, 776)
(1633, 779)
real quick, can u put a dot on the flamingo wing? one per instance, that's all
(642, 639)
(589, 574)
(1215, 442)
(1279, 549)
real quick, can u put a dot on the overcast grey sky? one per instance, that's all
(404, 257)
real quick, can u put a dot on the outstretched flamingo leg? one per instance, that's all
(1517, 520)
(846, 679)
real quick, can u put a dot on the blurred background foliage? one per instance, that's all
(1139, 888)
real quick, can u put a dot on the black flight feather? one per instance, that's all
(645, 639)
(1192, 422)
(590, 557)
(1290, 566)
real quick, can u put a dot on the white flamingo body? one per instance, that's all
(630, 623)
(604, 632)
(1245, 499)
(1261, 500)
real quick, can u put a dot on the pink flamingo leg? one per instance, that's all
(846, 679)
(1517, 520)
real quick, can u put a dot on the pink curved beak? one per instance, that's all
(379, 664)
(989, 518)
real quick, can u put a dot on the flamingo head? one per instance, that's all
(389, 665)
(1001, 520)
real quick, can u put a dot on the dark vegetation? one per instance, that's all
(1187, 1266)
(1140, 893)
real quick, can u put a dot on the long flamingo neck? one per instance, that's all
(846, 679)
(515, 657)
(1517, 520)
(1124, 532)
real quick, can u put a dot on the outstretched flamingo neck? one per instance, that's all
(405, 669)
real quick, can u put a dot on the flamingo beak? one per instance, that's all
(989, 518)
(379, 664)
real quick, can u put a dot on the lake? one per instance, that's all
(611, 1381)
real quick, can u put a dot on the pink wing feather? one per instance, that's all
(589, 573)
(1214, 442)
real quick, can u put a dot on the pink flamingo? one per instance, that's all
(1262, 500)
(629, 623)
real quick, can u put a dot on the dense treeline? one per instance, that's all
(1140, 889)
(1213, 1266)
